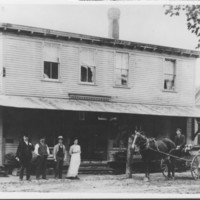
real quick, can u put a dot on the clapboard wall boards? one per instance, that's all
(1, 63)
(23, 61)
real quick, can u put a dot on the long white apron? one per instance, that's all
(75, 152)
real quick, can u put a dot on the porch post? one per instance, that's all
(129, 158)
(1, 137)
(189, 131)
(196, 130)
(167, 127)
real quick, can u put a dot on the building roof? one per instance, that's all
(97, 106)
(54, 34)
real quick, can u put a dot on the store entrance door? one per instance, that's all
(93, 141)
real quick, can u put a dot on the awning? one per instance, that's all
(97, 106)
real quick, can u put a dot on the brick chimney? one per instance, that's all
(113, 17)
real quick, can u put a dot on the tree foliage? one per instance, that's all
(192, 13)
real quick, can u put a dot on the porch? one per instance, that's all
(102, 127)
(103, 136)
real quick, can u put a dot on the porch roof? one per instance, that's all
(98, 106)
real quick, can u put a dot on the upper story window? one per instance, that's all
(169, 74)
(51, 62)
(88, 67)
(121, 69)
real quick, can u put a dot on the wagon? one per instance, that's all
(189, 160)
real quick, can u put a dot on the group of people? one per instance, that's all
(41, 150)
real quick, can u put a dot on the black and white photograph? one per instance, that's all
(99, 99)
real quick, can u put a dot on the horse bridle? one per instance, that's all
(145, 145)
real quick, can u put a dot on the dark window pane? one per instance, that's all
(124, 81)
(47, 69)
(169, 82)
(83, 74)
(54, 70)
(124, 77)
(165, 84)
(90, 75)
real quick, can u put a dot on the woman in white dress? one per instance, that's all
(75, 161)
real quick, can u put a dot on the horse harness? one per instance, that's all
(147, 146)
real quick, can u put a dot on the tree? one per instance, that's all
(192, 13)
(129, 157)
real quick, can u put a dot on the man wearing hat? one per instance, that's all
(42, 152)
(24, 156)
(179, 140)
(59, 154)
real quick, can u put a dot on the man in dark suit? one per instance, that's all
(24, 156)
(179, 141)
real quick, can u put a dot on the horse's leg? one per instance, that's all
(173, 168)
(146, 178)
(169, 166)
(172, 164)
(146, 168)
(148, 171)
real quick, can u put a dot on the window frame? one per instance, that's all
(51, 79)
(128, 70)
(175, 74)
(94, 50)
(59, 63)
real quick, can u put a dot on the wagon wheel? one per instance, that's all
(164, 167)
(195, 167)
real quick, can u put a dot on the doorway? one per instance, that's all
(92, 139)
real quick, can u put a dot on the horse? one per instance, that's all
(152, 149)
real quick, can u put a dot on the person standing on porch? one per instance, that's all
(42, 152)
(59, 154)
(75, 161)
(24, 156)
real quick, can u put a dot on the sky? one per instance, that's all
(138, 23)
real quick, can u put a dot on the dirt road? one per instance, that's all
(183, 184)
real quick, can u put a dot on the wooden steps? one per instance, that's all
(95, 167)
(3, 172)
(87, 167)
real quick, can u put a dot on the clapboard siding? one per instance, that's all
(10, 148)
(22, 61)
(24, 64)
(1, 63)
(1, 138)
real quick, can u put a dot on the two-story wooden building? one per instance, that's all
(58, 83)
